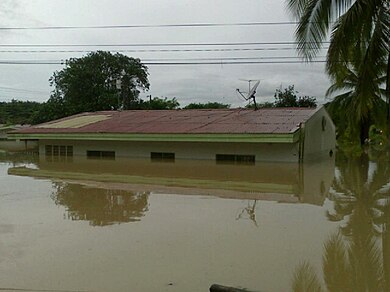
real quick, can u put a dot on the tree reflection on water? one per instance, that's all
(357, 257)
(99, 206)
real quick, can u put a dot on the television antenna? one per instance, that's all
(249, 82)
(251, 95)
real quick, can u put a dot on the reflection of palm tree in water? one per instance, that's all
(345, 268)
(353, 260)
(100, 206)
(250, 210)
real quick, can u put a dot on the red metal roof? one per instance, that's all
(221, 121)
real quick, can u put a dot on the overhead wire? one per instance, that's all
(174, 59)
(20, 90)
(156, 50)
(174, 63)
(147, 47)
(185, 25)
(153, 44)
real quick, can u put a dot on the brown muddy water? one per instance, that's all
(134, 225)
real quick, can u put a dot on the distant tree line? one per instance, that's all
(26, 112)
(18, 112)
(208, 105)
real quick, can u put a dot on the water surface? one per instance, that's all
(183, 226)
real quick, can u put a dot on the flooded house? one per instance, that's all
(223, 135)
(14, 145)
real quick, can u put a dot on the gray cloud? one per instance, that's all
(187, 83)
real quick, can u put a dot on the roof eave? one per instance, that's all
(231, 138)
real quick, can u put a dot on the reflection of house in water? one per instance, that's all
(283, 182)
(100, 206)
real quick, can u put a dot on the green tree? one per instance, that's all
(18, 112)
(360, 33)
(208, 105)
(357, 111)
(50, 110)
(91, 83)
(289, 98)
(266, 104)
(157, 103)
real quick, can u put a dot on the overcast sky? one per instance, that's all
(188, 83)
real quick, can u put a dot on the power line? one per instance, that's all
(227, 58)
(169, 59)
(150, 45)
(156, 50)
(11, 98)
(175, 63)
(282, 23)
(21, 90)
(231, 63)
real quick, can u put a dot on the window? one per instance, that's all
(162, 156)
(69, 150)
(235, 159)
(48, 150)
(97, 154)
(55, 150)
(58, 152)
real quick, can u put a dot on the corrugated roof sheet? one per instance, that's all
(225, 121)
(75, 122)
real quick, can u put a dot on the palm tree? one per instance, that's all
(360, 30)
(361, 110)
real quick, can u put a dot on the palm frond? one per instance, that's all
(313, 27)
(335, 264)
(305, 279)
(297, 7)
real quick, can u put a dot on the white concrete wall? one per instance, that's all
(318, 143)
(183, 150)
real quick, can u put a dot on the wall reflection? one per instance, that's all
(118, 189)
(100, 207)
(282, 182)
(357, 258)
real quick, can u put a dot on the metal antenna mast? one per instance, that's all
(252, 92)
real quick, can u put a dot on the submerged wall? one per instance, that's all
(319, 136)
(287, 152)
(17, 145)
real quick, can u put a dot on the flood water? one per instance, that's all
(135, 225)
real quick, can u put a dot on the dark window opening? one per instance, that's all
(162, 156)
(69, 150)
(49, 150)
(94, 154)
(235, 159)
(55, 150)
(62, 150)
(58, 151)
